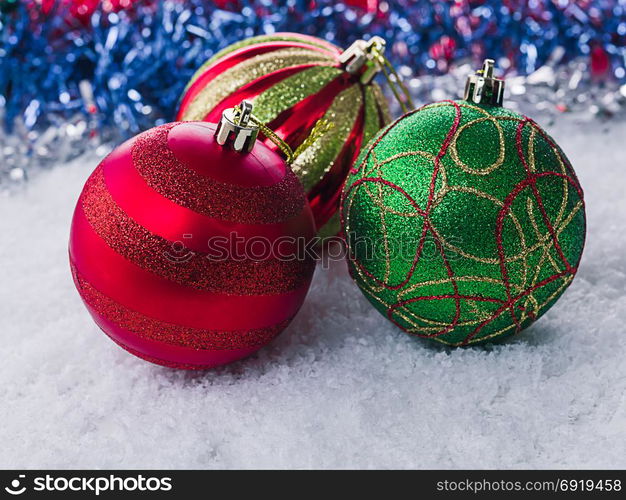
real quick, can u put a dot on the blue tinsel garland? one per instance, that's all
(138, 60)
(119, 73)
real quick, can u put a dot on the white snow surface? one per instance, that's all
(341, 388)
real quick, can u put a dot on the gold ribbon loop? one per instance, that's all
(394, 80)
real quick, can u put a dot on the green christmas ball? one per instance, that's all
(464, 222)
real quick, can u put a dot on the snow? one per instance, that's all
(340, 388)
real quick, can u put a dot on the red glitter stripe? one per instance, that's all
(158, 361)
(528, 182)
(223, 357)
(537, 196)
(505, 305)
(509, 303)
(153, 329)
(194, 145)
(562, 157)
(162, 171)
(166, 300)
(155, 254)
(165, 218)
(455, 296)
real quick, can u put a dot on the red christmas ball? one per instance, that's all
(184, 250)
(294, 81)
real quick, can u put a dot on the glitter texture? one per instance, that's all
(152, 329)
(69, 85)
(373, 117)
(292, 104)
(158, 361)
(152, 252)
(225, 84)
(250, 205)
(465, 223)
(290, 91)
(221, 308)
(319, 158)
(278, 37)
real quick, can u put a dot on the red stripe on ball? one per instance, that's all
(162, 216)
(193, 144)
(217, 273)
(153, 329)
(218, 358)
(158, 165)
(148, 294)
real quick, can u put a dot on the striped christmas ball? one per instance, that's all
(173, 247)
(295, 80)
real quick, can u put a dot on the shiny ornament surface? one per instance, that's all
(465, 222)
(295, 80)
(154, 252)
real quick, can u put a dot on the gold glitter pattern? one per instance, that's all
(475, 220)
(358, 111)
(288, 92)
(373, 121)
(226, 83)
(382, 105)
(281, 37)
(319, 158)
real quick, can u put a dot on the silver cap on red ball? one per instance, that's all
(364, 54)
(236, 130)
(483, 87)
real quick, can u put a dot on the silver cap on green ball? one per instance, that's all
(236, 130)
(483, 87)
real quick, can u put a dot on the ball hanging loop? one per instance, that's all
(483, 87)
(236, 129)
